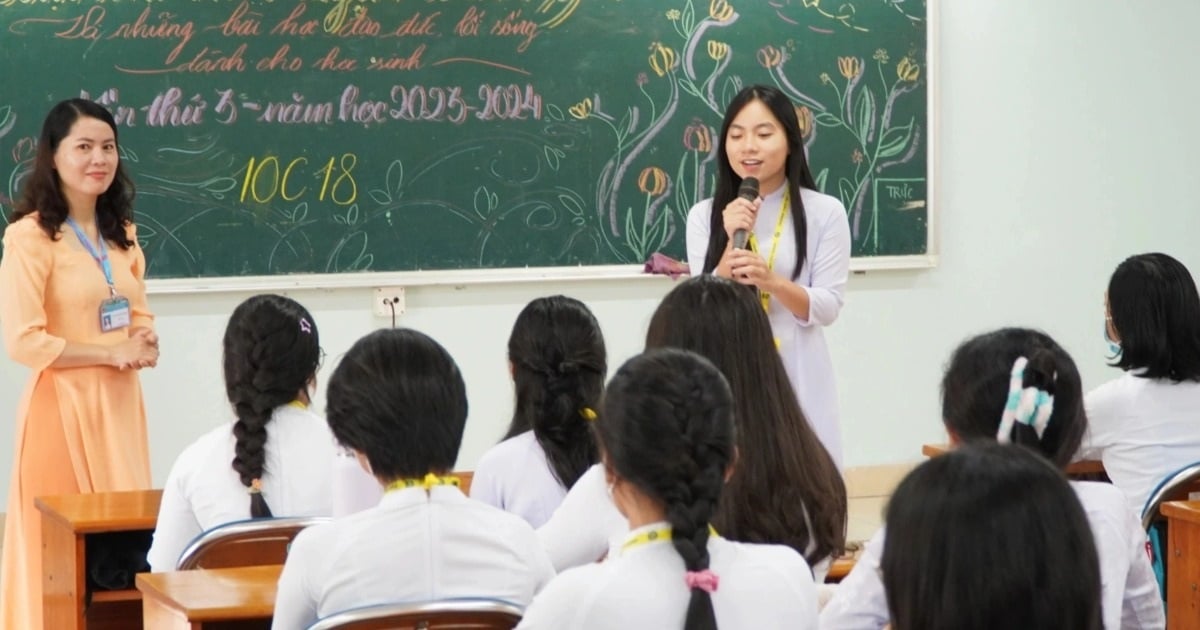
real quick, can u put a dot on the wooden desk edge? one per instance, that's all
(1181, 510)
(151, 587)
(1081, 467)
(64, 510)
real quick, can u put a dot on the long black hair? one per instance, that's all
(42, 190)
(787, 489)
(558, 362)
(796, 169)
(271, 352)
(989, 537)
(667, 428)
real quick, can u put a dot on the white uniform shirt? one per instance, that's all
(827, 264)
(354, 489)
(413, 546)
(587, 526)
(1143, 430)
(761, 586)
(1130, 598)
(203, 491)
(515, 477)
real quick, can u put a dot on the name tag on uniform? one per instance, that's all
(114, 313)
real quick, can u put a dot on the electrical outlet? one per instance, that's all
(389, 301)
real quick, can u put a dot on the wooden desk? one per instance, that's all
(67, 523)
(1074, 469)
(1183, 564)
(206, 599)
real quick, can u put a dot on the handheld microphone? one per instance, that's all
(748, 191)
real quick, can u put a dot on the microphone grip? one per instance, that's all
(740, 237)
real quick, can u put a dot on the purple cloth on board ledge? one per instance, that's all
(665, 265)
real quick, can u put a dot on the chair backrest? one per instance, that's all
(1174, 487)
(246, 543)
(473, 613)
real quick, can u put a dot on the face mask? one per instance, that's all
(1114, 348)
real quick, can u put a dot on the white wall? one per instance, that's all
(1065, 131)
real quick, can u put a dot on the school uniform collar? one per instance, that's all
(417, 495)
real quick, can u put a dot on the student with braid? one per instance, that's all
(398, 401)
(789, 492)
(668, 444)
(967, 532)
(557, 359)
(274, 460)
(1017, 385)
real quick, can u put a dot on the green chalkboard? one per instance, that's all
(336, 136)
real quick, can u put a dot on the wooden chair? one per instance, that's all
(472, 613)
(253, 542)
(1174, 487)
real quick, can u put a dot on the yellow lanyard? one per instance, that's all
(299, 404)
(753, 242)
(429, 481)
(658, 534)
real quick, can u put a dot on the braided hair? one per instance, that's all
(667, 428)
(976, 389)
(271, 352)
(558, 359)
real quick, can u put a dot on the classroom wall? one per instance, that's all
(1064, 141)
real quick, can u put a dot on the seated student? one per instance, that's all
(398, 401)
(967, 532)
(668, 441)
(557, 359)
(1145, 425)
(1018, 385)
(786, 490)
(271, 355)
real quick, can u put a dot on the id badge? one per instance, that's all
(114, 313)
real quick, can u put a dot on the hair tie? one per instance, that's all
(305, 326)
(705, 580)
(255, 486)
(588, 414)
(1026, 405)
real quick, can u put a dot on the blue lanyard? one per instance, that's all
(101, 258)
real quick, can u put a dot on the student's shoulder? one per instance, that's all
(211, 444)
(762, 559)
(305, 424)
(501, 524)
(517, 446)
(1102, 501)
(319, 539)
(565, 599)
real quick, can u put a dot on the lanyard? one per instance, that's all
(658, 534)
(783, 211)
(100, 258)
(429, 481)
(299, 404)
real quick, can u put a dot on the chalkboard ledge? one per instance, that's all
(888, 263)
(456, 277)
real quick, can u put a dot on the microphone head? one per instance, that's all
(748, 189)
